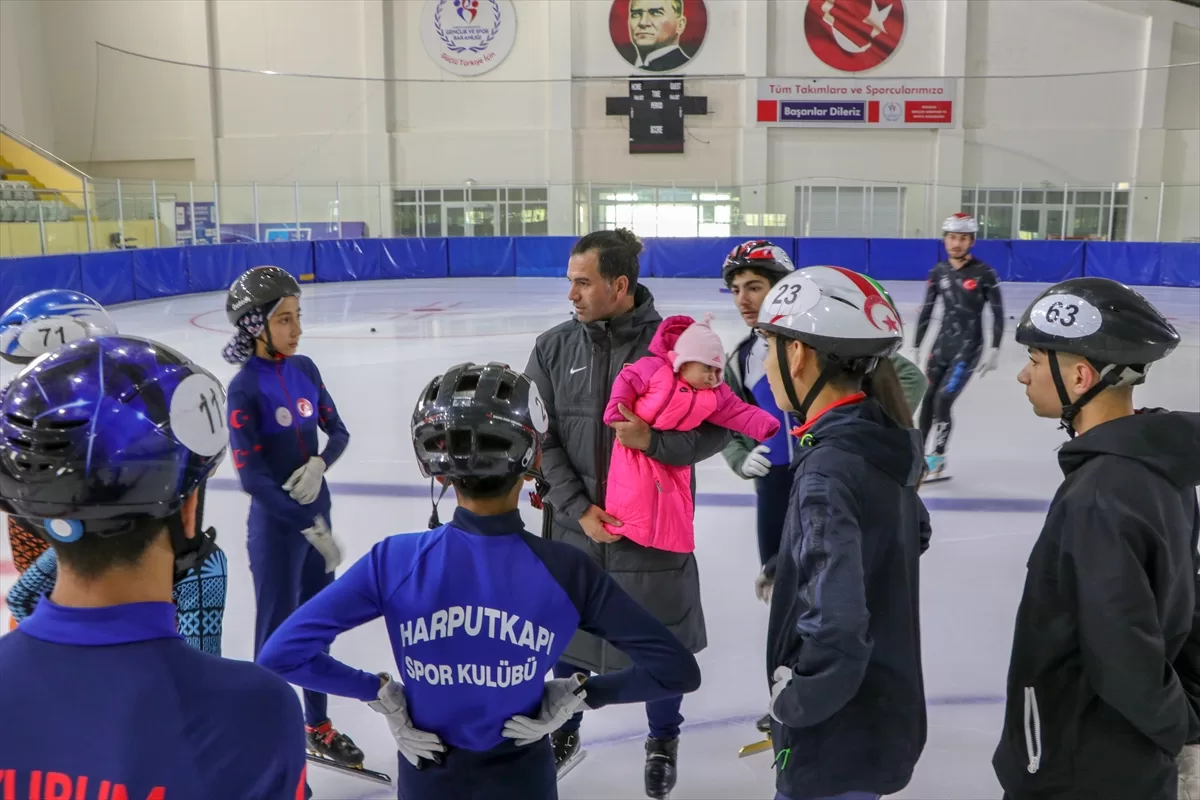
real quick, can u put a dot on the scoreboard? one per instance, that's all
(656, 116)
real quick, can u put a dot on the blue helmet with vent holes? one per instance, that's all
(40, 322)
(105, 432)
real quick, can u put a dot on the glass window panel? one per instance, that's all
(1087, 198)
(1054, 198)
(997, 223)
(406, 196)
(406, 220)
(432, 195)
(1031, 223)
(454, 195)
(1032, 197)
(515, 194)
(536, 194)
(483, 194)
(535, 220)
(1087, 221)
(968, 197)
(1122, 198)
(1120, 220)
(433, 220)
(1000, 196)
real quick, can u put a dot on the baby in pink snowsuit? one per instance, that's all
(675, 388)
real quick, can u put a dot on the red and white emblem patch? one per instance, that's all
(854, 35)
(304, 407)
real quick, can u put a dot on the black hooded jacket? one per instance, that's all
(1104, 681)
(845, 608)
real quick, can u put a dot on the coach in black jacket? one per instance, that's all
(1104, 682)
(574, 365)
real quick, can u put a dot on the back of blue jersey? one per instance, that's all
(476, 622)
(148, 720)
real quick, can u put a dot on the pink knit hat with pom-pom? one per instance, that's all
(698, 343)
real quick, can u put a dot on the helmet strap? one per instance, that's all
(434, 522)
(1110, 375)
(801, 406)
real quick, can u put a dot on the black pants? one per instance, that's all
(662, 715)
(947, 377)
(773, 490)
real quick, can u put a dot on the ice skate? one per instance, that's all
(764, 726)
(935, 466)
(567, 754)
(329, 748)
(660, 773)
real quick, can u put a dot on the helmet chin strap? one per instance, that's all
(1110, 375)
(801, 407)
(190, 553)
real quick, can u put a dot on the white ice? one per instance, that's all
(972, 575)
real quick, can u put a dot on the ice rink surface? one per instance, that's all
(985, 520)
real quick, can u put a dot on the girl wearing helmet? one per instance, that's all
(36, 324)
(966, 285)
(843, 641)
(277, 402)
(1104, 677)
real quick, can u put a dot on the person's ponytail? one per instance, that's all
(883, 384)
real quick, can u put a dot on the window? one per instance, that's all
(667, 212)
(866, 211)
(473, 211)
(1048, 213)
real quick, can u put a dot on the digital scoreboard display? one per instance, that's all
(655, 116)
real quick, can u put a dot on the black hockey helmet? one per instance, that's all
(260, 287)
(1116, 329)
(761, 256)
(478, 421)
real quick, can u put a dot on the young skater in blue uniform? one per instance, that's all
(41, 323)
(478, 611)
(106, 443)
(277, 402)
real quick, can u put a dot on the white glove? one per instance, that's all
(413, 743)
(782, 677)
(560, 700)
(756, 465)
(320, 537)
(763, 587)
(305, 483)
(988, 362)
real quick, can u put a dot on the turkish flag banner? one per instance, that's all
(854, 35)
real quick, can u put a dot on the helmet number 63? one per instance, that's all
(1062, 314)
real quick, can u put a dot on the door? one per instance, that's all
(471, 219)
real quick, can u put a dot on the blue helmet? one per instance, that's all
(105, 432)
(42, 321)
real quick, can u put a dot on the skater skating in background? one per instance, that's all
(574, 365)
(36, 324)
(478, 610)
(108, 693)
(1104, 679)
(675, 388)
(277, 402)
(966, 286)
(843, 643)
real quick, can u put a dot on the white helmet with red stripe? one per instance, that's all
(835, 311)
(847, 318)
(960, 223)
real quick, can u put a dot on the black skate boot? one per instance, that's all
(326, 742)
(566, 751)
(660, 766)
(764, 724)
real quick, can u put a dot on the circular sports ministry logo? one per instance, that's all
(854, 35)
(468, 37)
(657, 35)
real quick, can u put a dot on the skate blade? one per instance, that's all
(938, 479)
(571, 763)
(356, 772)
(756, 748)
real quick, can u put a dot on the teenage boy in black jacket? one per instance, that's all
(1104, 681)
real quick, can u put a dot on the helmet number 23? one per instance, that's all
(1062, 314)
